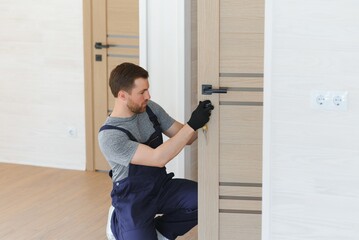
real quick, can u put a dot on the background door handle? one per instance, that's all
(208, 90)
(99, 45)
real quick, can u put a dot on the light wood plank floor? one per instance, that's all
(46, 203)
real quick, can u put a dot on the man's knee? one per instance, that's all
(191, 196)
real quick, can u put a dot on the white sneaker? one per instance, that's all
(109, 233)
(160, 236)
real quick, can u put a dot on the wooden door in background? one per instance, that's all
(230, 55)
(115, 39)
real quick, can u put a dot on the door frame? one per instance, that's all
(267, 95)
(88, 75)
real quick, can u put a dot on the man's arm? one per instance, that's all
(175, 128)
(161, 155)
(164, 153)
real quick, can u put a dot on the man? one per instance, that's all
(148, 203)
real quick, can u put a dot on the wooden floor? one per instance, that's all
(45, 204)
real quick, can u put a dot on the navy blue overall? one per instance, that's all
(148, 191)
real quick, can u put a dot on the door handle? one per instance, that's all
(208, 90)
(99, 45)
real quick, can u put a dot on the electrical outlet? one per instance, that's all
(330, 100)
(72, 132)
(319, 99)
(339, 101)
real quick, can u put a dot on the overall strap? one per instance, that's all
(153, 118)
(106, 127)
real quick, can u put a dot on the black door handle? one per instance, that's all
(208, 90)
(99, 45)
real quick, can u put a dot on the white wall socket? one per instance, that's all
(72, 132)
(330, 100)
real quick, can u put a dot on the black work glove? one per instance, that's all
(200, 116)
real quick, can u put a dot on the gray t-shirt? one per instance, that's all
(116, 146)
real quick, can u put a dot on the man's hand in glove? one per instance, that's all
(200, 116)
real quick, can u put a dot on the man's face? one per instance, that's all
(139, 96)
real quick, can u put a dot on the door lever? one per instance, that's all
(99, 45)
(208, 90)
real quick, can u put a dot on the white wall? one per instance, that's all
(166, 62)
(41, 83)
(311, 157)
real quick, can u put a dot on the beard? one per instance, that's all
(136, 108)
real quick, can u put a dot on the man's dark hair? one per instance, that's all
(124, 76)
